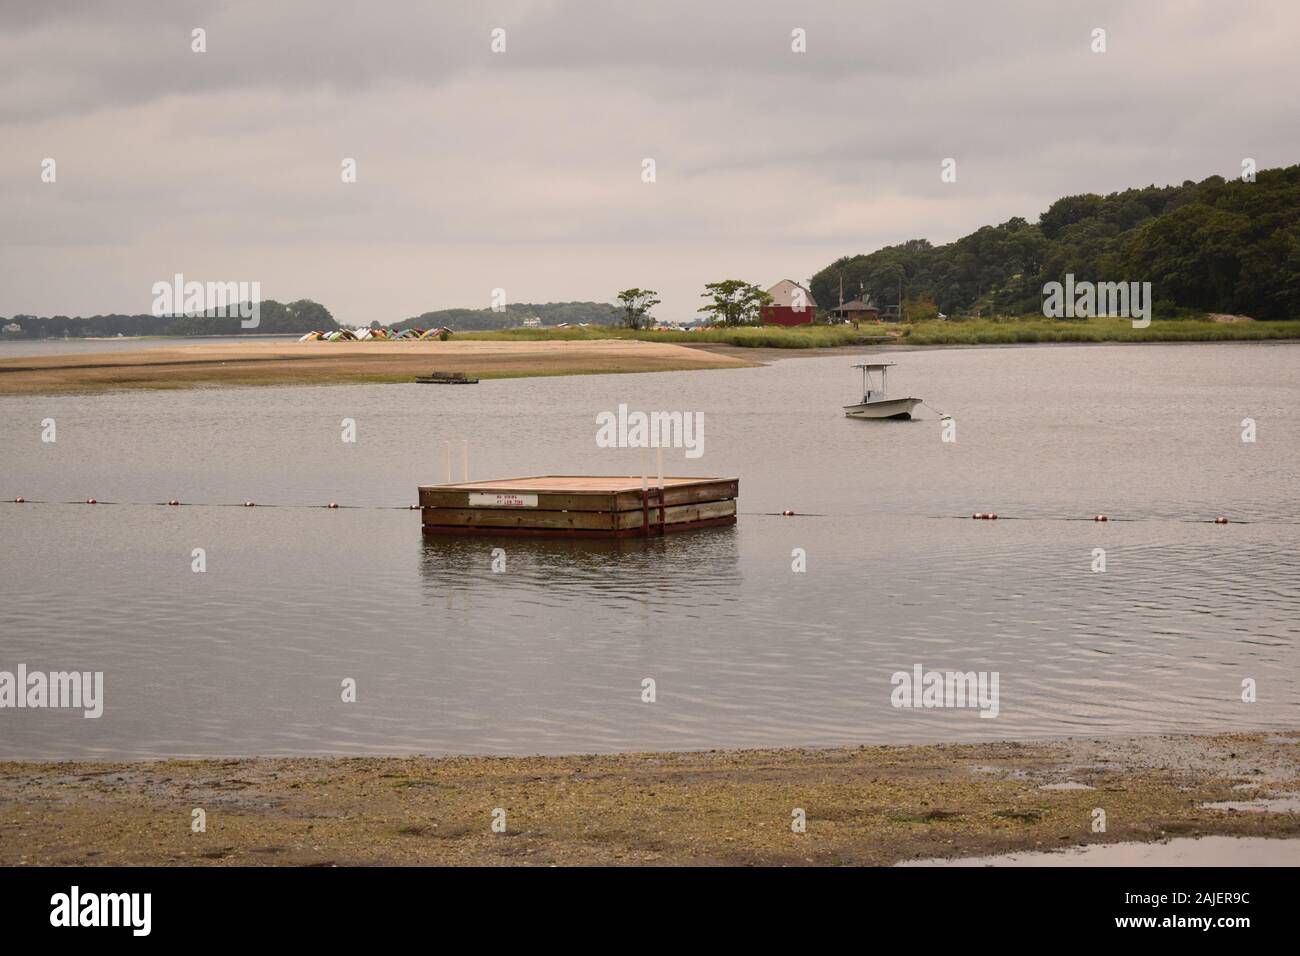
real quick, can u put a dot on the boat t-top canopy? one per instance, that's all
(868, 392)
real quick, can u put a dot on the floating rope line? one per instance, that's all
(994, 516)
(332, 506)
(942, 415)
(788, 513)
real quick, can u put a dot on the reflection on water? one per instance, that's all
(700, 568)
(549, 655)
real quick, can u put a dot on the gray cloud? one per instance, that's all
(522, 170)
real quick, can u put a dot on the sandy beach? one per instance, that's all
(330, 363)
(869, 805)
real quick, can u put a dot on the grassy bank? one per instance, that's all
(1038, 329)
(990, 331)
(766, 336)
(871, 805)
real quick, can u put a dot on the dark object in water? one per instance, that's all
(446, 378)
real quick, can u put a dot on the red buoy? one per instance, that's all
(1100, 518)
(173, 502)
(19, 501)
(1221, 520)
(91, 501)
(993, 516)
(250, 504)
(787, 513)
(332, 504)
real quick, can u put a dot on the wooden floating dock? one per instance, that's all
(578, 506)
(446, 378)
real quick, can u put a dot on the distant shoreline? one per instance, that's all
(765, 355)
(263, 363)
(864, 805)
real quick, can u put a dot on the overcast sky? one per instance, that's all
(523, 170)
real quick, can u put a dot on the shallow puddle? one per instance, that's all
(1184, 851)
(1288, 803)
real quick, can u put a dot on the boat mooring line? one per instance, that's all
(942, 415)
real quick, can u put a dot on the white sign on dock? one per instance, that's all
(477, 500)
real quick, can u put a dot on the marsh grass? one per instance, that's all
(987, 331)
(745, 336)
(1016, 329)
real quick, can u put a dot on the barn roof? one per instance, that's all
(856, 305)
(783, 294)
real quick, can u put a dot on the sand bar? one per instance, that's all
(325, 363)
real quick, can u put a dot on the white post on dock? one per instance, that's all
(645, 483)
(464, 460)
(448, 454)
(659, 461)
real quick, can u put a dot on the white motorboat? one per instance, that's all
(875, 402)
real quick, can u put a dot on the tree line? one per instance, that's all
(512, 316)
(275, 317)
(1215, 246)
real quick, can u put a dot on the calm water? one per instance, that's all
(449, 657)
(21, 348)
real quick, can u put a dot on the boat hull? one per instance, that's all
(887, 408)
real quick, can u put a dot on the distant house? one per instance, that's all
(855, 311)
(13, 328)
(532, 322)
(792, 304)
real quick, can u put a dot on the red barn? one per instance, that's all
(792, 304)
